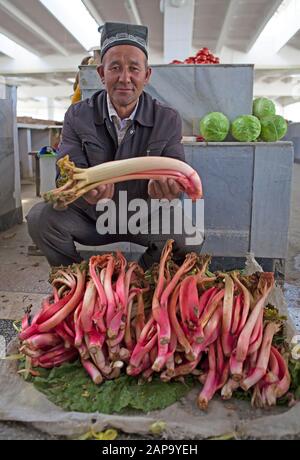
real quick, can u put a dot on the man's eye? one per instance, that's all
(115, 67)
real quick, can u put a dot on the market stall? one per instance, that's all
(10, 189)
(247, 186)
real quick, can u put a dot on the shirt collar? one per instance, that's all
(112, 111)
(144, 114)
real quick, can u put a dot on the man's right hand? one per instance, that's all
(99, 193)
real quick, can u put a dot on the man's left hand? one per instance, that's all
(164, 188)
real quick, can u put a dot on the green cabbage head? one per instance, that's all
(263, 107)
(214, 127)
(246, 128)
(273, 128)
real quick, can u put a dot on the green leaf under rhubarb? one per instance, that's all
(70, 387)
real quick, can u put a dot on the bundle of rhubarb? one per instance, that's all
(172, 321)
(89, 316)
(213, 327)
(78, 181)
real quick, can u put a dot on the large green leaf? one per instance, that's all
(69, 387)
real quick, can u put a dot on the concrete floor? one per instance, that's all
(23, 281)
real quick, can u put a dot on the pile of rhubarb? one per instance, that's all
(172, 321)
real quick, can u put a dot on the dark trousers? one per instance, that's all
(54, 232)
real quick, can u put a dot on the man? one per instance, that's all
(117, 123)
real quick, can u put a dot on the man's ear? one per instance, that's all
(100, 71)
(148, 74)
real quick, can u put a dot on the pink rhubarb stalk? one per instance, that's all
(205, 298)
(246, 300)
(77, 326)
(284, 377)
(257, 335)
(160, 313)
(58, 317)
(263, 357)
(236, 314)
(229, 387)
(140, 316)
(227, 340)
(94, 340)
(182, 339)
(42, 341)
(111, 303)
(92, 370)
(98, 263)
(145, 343)
(210, 385)
(211, 307)
(68, 356)
(266, 283)
(88, 306)
(67, 339)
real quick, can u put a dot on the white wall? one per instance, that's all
(292, 112)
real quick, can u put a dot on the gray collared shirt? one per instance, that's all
(121, 125)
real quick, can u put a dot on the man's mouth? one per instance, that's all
(125, 90)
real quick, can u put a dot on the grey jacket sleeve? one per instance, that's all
(174, 147)
(71, 143)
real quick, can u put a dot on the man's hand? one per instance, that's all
(99, 193)
(164, 188)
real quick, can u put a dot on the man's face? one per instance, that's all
(124, 72)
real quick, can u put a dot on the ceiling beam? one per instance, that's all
(287, 58)
(11, 49)
(23, 19)
(17, 40)
(53, 63)
(76, 19)
(133, 12)
(278, 89)
(93, 11)
(225, 27)
(29, 81)
(55, 81)
(45, 91)
(279, 30)
(266, 18)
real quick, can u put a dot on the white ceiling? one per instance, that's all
(222, 25)
(243, 26)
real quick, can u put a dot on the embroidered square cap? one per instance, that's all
(118, 33)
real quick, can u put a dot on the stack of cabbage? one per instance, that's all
(263, 124)
(273, 127)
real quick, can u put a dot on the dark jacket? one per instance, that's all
(89, 137)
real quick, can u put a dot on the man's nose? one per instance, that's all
(125, 76)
